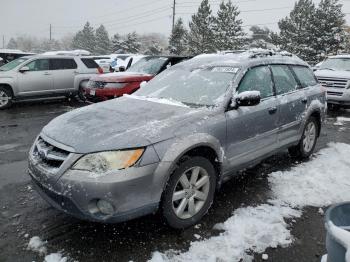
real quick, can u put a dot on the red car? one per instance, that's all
(107, 86)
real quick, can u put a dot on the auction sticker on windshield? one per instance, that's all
(92, 92)
(225, 69)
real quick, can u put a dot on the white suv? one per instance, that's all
(334, 74)
(43, 76)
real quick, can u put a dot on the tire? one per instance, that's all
(81, 93)
(308, 141)
(6, 97)
(193, 202)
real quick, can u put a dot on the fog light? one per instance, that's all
(105, 207)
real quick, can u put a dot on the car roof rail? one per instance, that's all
(255, 53)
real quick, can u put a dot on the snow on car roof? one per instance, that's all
(13, 51)
(340, 56)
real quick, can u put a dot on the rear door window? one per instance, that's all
(89, 63)
(305, 76)
(284, 79)
(257, 79)
(62, 64)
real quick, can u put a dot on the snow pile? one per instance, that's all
(55, 257)
(37, 245)
(319, 182)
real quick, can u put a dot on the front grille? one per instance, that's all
(334, 93)
(97, 84)
(333, 82)
(49, 156)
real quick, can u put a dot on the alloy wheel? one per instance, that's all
(309, 137)
(4, 98)
(191, 192)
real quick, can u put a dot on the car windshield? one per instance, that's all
(197, 87)
(13, 64)
(148, 65)
(336, 64)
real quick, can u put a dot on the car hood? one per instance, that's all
(123, 77)
(332, 74)
(125, 122)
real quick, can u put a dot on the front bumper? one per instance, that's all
(338, 96)
(133, 192)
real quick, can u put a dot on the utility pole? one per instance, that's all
(174, 5)
(50, 32)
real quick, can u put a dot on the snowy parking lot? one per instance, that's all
(271, 210)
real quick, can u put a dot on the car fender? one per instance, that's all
(170, 152)
(10, 81)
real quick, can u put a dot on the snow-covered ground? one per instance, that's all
(322, 181)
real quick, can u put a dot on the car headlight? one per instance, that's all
(115, 85)
(107, 161)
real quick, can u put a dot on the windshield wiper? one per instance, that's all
(327, 68)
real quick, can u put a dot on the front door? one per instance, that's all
(37, 81)
(252, 131)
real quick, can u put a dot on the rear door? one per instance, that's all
(63, 71)
(252, 131)
(38, 80)
(292, 100)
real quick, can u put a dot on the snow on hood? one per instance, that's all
(332, 74)
(119, 123)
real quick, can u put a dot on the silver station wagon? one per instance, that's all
(172, 144)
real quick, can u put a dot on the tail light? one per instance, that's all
(100, 70)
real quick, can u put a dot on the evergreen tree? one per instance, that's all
(131, 44)
(177, 40)
(85, 39)
(228, 27)
(201, 37)
(297, 31)
(117, 44)
(329, 28)
(103, 43)
(154, 49)
(12, 44)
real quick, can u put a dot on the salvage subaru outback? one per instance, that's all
(172, 144)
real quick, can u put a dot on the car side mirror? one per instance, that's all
(24, 69)
(247, 98)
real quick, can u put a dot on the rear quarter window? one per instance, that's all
(305, 76)
(89, 63)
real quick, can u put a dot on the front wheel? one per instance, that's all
(189, 193)
(6, 98)
(308, 141)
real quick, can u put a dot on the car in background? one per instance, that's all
(104, 61)
(334, 74)
(124, 61)
(42, 76)
(114, 85)
(171, 145)
(8, 55)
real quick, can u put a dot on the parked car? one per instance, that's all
(123, 61)
(114, 85)
(334, 74)
(172, 144)
(44, 76)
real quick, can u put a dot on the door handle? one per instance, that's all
(47, 74)
(272, 110)
(304, 100)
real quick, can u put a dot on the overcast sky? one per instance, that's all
(33, 17)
